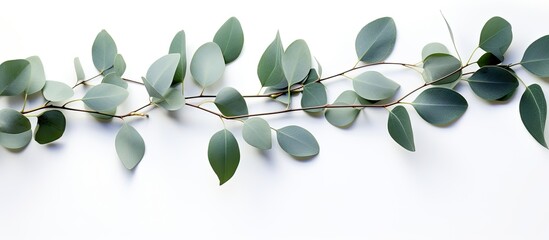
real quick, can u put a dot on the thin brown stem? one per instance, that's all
(134, 113)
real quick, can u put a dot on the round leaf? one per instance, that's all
(57, 91)
(374, 86)
(492, 83)
(172, 100)
(376, 40)
(441, 69)
(433, 48)
(50, 126)
(257, 133)
(15, 141)
(79, 70)
(103, 51)
(224, 155)
(14, 77)
(15, 129)
(342, 117)
(297, 141)
(37, 78)
(178, 45)
(230, 102)
(400, 128)
(536, 57)
(533, 112)
(440, 106)
(105, 97)
(269, 69)
(230, 39)
(296, 62)
(314, 95)
(207, 65)
(160, 74)
(130, 146)
(488, 59)
(496, 36)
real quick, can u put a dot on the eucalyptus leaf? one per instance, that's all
(224, 155)
(230, 102)
(105, 115)
(400, 128)
(343, 117)
(314, 95)
(488, 59)
(440, 106)
(173, 100)
(536, 57)
(14, 77)
(104, 97)
(257, 132)
(207, 65)
(119, 66)
(533, 112)
(160, 74)
(178, 45)
(15, 129)
(130, 146)
(230, 39)
(296, 62)
(492, 83)
(79, 70)
(37, 76)
(432, 48)
(376, 40)
(103, 51)
(50, 127)
(269, 69)
(297, 141)
(374, 86)
(55, 91)
(441, 68)
(15, 141)
(496, 36)
(115, 79)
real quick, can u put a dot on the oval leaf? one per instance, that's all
(492, 83)
(343, 117)
(130, 146)
(376, 40)
(296, 62)
(15, 129)
(104, 97)
(441, 69)
(257, 133)
(297, 141)
(103, 51)
(207, 65)
(50, 126)
(14, 77)
(114, 79)
(230, 102)
(374, 86)
(433, 48)
(160, 74)
(400, 128)
(37, 78)
(440, 106)
(536, 57)
(314, 95)
(533, 112)
(178, 45)
(269, 69)
(230, 39)
(172, 100)
(224, 155)
(57, 91)
(119, 66)
(79, 70)
(488, 59)
(496, 36)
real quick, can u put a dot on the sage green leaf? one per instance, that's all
(376, 40)
(533, 112)
(314, 95)
(79, 70)
(257, 132)
(160, 74)
(224, 155)
(441, 68)
(103, 51)
(230, 39)
(230, 102)
(451, 33)
(314, 74)
(115, 79)
(496, 36)
(400, 128)
(55, 91)
(37, 76)
(269, 69)
(150, 89)
(207, 65)
(296, 62)
(130, 146)
(492, 83)
(105, 97)
(536, 57)
(14, 77)
(119, 66)
(488, 59)
(173, 100)
(440, 106)
(15, 129)
(178, 45)
(105, 115)
(297, 141)
(50, 127)
(343, 117)
(432, 48)
(374, 86)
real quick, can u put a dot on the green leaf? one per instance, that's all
(207, 65)
(119, 66)
(441, 68)
(269, 69)
(488, 59)
(376, 40)
(296, 62)
(103, 51)
(496, 36)
(230, 102)
(314, 95)
(400, 128)
(173, 100)
(533, 112)
(102, 117)
(343, 117)
(314, 73)
(230, 39)
(440, 106)
(105, 97)
(37, 76)
(15, 129)
(433, 48)
(257, 133)
(115, 79)
(79, 70)
(57, 91)
(14, 77)
(297, 141)
(224, 155)
(178, 45)
(492, 83)
(50, 126)
(536, 57)
(374, 86)
(130, 146)
(160, 75)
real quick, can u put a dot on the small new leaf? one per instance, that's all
(79, 70)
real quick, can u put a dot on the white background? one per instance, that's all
(483, 177)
